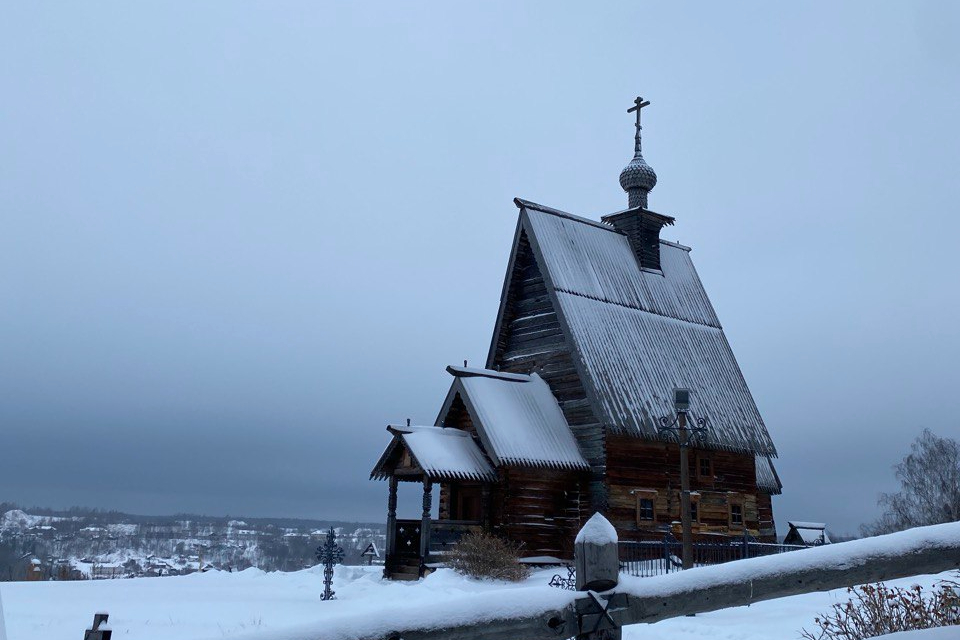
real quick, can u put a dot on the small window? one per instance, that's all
(645, 509)
(646, 506)
(736, 515)
(694, 511)
(704, 467)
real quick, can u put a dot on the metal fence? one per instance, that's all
(654, 558)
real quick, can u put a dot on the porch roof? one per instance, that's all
(440, 453)
(517, 418)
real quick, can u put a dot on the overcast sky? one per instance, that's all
(238, 239)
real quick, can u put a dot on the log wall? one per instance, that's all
(541, 508)
(652, 470)
(531, 340)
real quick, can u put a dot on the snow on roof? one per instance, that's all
(442, 454)
(639, 334)
(767, 478)
(517, 418)
(811, 532)
(597, 261)
(469, 372)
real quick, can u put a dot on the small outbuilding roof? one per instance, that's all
(441, 454)
(517, 418)
(809, 533)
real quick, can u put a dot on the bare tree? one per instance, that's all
(929, 487)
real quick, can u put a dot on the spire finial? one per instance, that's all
(637, 178)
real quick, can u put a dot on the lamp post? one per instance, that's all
(681, 405)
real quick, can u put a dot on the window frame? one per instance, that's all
(736, 500)
(700, 474)
(645, 494)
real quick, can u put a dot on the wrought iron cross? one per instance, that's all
(329, 553)
(638, 104)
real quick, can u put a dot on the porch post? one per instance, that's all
(485, 517)
(425, 522)
(391, 524)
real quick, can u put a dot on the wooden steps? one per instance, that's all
(406, 567)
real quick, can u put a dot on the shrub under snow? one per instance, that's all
(481, 555)
(877, 610)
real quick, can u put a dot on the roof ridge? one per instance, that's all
(470, 372)
(407, 429)
(676, 245)
(526, 204)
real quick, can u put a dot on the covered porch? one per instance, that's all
(430, 456)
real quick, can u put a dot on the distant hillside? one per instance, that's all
(82, 543)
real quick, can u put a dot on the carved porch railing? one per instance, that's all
(445, 534)
(441, 537)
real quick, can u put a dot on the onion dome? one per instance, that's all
(638, 175)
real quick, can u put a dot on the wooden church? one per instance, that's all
(599, 322)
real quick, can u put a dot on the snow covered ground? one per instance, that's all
(254, 604)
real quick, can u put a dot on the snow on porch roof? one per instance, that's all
(517, 418)
(442, 454)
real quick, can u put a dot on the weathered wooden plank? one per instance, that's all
(925, 550)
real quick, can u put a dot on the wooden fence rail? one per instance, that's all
(593, 616)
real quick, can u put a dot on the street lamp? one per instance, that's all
(678, 425)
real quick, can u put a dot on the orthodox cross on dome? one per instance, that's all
(638, 177)
(638, 104)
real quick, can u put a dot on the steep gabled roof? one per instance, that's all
(767, 479)
(516, 417)
(442, 454)
(639, 333)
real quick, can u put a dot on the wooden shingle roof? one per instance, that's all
(517, 418)
(639, 333)
(767, 479)
(442, 454)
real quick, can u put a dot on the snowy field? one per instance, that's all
(254, 604)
